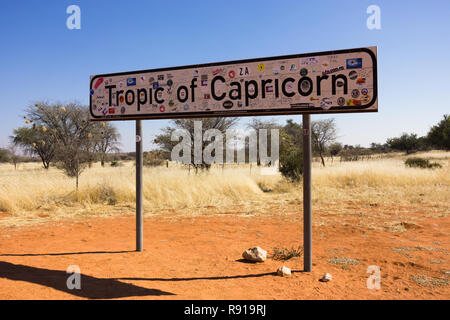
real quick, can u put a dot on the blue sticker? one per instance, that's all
(131, 82)
(355, 63)
(92, 92)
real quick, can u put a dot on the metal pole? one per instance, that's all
(139, 195)
(307, 225)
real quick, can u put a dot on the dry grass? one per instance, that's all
(31, 190)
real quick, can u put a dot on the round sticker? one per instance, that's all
(261, 67)
(353, 75)
(121, 99)
(162, 109)
(325, 103)
(355, 93)
(341, 101)
(138, 138)
(232, 74)
(364, 91)
(169, 82)
(303, 72)
(186, 107)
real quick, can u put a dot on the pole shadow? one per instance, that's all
(91, 287)
(60, 254)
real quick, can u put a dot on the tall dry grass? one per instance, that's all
(31, 188)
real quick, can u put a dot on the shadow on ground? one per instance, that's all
(91, 287)
(58, 254)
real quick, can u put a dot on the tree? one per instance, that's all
(439, 135)
(106, 140)
(406, 142)
(335, 149)
(36, 140)
(291, 153)
(14, 157)
(165, 143)
(4, 155)
(323, 133)
(70, 131)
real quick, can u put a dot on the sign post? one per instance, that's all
(307, 217)
(340, 81)
(139, 193)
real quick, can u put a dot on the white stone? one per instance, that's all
(327, 277)
(284, 271)
(255, 254)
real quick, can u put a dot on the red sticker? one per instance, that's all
(98, 82)
(232, 74)
(162, 109)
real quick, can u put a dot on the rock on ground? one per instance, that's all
(284, 271)
(255, 254)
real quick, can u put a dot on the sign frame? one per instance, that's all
(244, 113)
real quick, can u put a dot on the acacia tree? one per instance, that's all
(36, 140)
(323, 133)
(70, 132)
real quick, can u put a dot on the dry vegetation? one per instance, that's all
(34, 192)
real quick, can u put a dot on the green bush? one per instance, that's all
(421, 163)
(291, 165)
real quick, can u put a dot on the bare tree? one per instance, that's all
(14, 157)
(323, 133)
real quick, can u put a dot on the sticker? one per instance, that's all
(261, 67)
(169, 83)
(186, 107)
(162, 109)
(204, 83)
(364, 91)
(333, 70)
(92, 92)
(269, 89)
(303, 72)
(325, 103)
(206, 96)
(365, 99)
(171, 103)
(361, 80)
(204, 77)
(355, 93)
(98, 82)
(340, 83)
(217, 71)
(122, 110)
(160, 77)
(355, 63)
(309, 61)
(353, 102)
(239, 104)
(155, 85)
(232, 74)
(293, 67)
(131, 82)
(341, 101)
(228, 104)
(138, 138)
(121, 99)
(353, 75)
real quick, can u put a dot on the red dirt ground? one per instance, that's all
(200, 258)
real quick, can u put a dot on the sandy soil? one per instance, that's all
(200, 257)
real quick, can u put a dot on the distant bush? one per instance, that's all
(154, 158)
(115, 163)
(421, 163)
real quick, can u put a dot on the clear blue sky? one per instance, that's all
(40, 59)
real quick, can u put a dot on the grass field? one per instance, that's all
(31, 191)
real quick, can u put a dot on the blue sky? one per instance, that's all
(40, 59)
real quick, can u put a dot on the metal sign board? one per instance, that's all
(323, 82)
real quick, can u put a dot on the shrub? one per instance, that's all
(291, 165)
(115, 163)
(421, 163)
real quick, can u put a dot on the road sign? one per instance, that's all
(323, 82)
